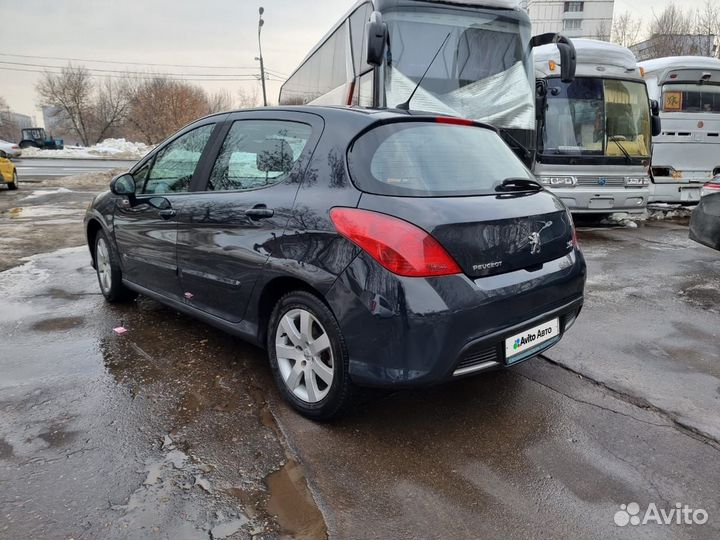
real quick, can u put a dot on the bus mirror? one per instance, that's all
(568, 56)
(656, 125)
(655, 107)
(376, 39)
(568, 61)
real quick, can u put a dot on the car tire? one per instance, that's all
(309, 360)
(12, 186)
(107, 268)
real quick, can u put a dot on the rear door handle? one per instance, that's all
(260, 211)
(167, 213)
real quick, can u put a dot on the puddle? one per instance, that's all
(58, 324)
(293, 504)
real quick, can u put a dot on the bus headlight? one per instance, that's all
(558, 181)
(637, 181)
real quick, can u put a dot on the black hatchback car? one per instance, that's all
(360, 247)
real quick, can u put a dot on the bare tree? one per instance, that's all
(247, 99)
(603, 31)
(88, 110)
(71, 92)
(219, 101)
(707, 23)
(160, 106)
(112, 106)
(625, 30)
(665, 29)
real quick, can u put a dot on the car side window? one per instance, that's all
(175, 164)
(140, 177)
(258, 153)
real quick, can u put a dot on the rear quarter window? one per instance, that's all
(428, 159)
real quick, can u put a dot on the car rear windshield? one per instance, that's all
(430, 159)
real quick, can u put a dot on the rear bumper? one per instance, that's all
(669, 190)
(404, 332)
(596, 200)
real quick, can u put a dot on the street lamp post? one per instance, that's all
(261, 22)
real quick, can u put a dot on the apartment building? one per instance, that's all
(581, 18)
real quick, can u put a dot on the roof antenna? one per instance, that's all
(406, 106)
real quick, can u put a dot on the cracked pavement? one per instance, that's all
(175, 430)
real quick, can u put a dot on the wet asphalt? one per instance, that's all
(175, 430)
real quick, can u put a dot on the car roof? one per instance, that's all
(339, 113)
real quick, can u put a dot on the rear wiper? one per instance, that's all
(521, 184)
(622, 149)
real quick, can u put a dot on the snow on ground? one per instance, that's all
(109, 148)
(43, 192)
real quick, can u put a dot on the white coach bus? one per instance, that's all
(687, 153)
(468, 58)
(594, 135)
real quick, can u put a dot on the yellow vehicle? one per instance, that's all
(8, 172)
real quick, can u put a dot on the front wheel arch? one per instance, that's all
(93, 228)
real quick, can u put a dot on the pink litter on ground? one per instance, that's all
(120, 330)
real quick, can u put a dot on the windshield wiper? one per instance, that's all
(622, 149)
(505, 134)
(406, 106)
(521, 184)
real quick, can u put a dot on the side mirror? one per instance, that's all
(568, 59)
(123, 185)
(656, 124)
(655, 107)
(568, 55)
(376, 39)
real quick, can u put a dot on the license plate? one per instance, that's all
(601, 203)
(517, 346)
(691, 194)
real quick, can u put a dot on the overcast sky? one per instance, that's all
(204, 33)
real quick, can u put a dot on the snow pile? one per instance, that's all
(109, 148)
(120, 147)
(620, 220)
(654, 212)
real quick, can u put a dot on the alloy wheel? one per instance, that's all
(104, 270)
(304, 355)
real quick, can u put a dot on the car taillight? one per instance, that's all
(712, 185)
(397, 245)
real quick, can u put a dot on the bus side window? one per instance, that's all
(364, 90)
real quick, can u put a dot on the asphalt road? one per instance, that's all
(175, 429)
(34, 168)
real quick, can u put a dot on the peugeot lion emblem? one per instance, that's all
(534, 239)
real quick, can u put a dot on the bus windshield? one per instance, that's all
(483, 72)
(601, 117)
(696, 98)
